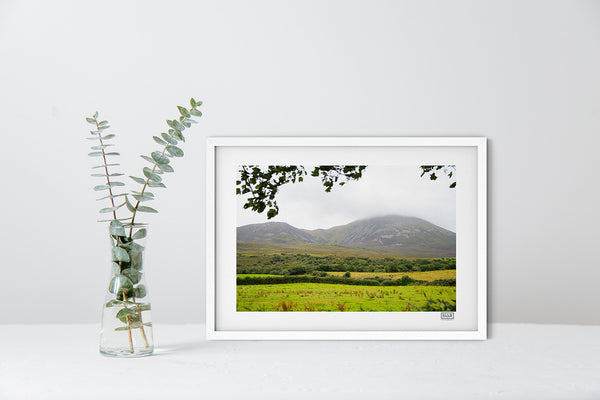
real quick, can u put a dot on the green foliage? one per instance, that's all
(338, 297)
(262, 184)
(127, 253)
(433, 170)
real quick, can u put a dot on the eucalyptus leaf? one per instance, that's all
(148, 324)
(114, 153)
(102, 123)
(115, 174)
(120, 283)
(101, 147)
(109, 136)
(116, 268)
(113, 303)
(145, 307)
(159, 140)
(133, 275)
(165, 167)
(95, 154)
(146, 193)
(136, 255)
(113, 196)
(175, 151)
(110, 209)
(96, 115)
(183, 111)
(101, 187)
(159, 158)
(151, 175)
(149, 159)
(116, 228)
(142, 198)
(156, 184)
(122, 328)
(103, 166)
(120, 255)
(138, 180)
(195, 112)
(116, 184)
(141, 233)
(146, 209)
(140, 291)
(130, 207)
(91, 120)
(168, 138)
(103, 127)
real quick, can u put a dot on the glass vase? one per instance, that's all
(126, 315)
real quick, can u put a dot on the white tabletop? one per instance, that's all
(517, 362)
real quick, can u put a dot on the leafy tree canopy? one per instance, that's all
(263, 183)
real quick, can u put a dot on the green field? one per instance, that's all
(335, 297)
(315, 277)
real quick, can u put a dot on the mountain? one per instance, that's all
(274, 233)
(408, 236)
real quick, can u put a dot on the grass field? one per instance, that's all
(334, 297)
(422, 276)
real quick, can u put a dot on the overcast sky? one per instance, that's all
(382, 190)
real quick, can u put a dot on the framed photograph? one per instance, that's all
(353, 238)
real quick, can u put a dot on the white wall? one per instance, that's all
(526, 74)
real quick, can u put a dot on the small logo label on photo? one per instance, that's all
(447, 315)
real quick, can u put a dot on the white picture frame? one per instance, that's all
(223, 323)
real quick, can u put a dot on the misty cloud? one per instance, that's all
(382, 190)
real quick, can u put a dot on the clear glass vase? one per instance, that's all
(126, 316)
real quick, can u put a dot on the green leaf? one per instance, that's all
(149, 159)
(453, 185)
(116, 268)
(165, 167)
(114, 153)
(197, 113)
(118, 283)
(91, 120)
(145, 307)
(148, 324)
(113, 303)
(101, 187)
(192, 102)
(114, 196)
(115, 174)
(159, 158)
(122, 328)
(117, 184)
(110, 136)
(101, 128)
(107, 165)
(151, 175)
(130, 207)
(110, 209)
(141, 233)
(178, 135)
(156, 184)
(142, 198)
(101, 147)
(138, 180)
(175, 151)
(146, 209)
(95, 154)
(102, 123)
(168, 138)
(183, 111)
(116, 228)
(124, 313)
(159, 140)
(140, 291)
(96, 115)
(120, 254)
(136, 255)
(133, 275)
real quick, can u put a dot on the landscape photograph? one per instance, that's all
(346, 238)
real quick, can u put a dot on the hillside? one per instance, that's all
(392, 234)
